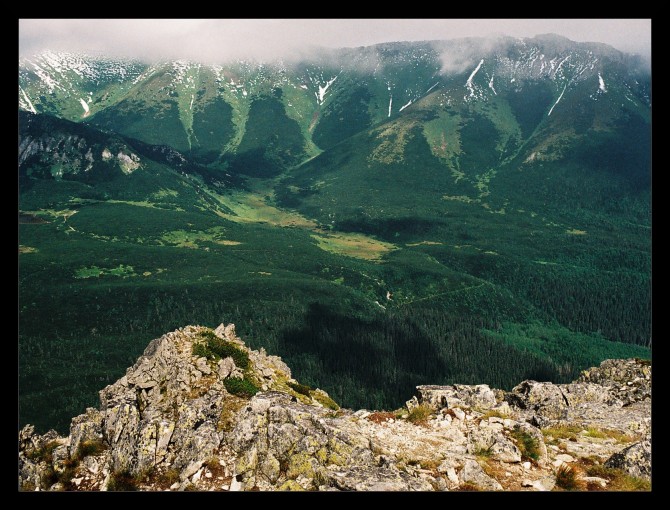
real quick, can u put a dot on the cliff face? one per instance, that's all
(201, 411)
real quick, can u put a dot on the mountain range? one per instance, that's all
(471, 211)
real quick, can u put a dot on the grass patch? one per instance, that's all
(419, 415)
(554, 435)
(322, 398)
(88, 448)
(483, 452)
(618, 479)
(468, 487)
(240, 387)
(168, 477)
(381, 417)
(617, 435)
(353, 245)
(45, 453)
(228, 413)
(492, 413)
(96, 272)
(122, 481)
(568, 479)
(527, 444)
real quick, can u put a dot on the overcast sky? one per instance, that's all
(219, 40)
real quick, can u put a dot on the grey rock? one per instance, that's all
(634, 460)
(438, 397)
(545, 484)
(202, 365)
(629, 380)
(545, 400)
(60, 456)
(473, 473)
(494, 443)
(85, 427)
(226, 367)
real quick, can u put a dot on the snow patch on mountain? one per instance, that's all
(559, 98)
(601, 83)
(322, 90)
(468, 83)
(28, 103)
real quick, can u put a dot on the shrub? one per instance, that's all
(214, 348)
(201, 351)
(567, 478)
(528, 445)
(240, 387)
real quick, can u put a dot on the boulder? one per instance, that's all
(473, 473)
(634, 460)
(438, 397)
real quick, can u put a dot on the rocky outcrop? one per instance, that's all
(635, 460)
(199, 410)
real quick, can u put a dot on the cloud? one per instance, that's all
(462, 54)
(220, 40)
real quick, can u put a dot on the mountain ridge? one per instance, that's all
(201, 411)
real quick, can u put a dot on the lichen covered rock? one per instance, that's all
(200, 410)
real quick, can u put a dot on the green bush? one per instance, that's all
(201, 351)
(240, 387)
(215, 348)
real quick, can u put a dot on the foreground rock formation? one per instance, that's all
(201, 411)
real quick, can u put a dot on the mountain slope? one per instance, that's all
(439, 212)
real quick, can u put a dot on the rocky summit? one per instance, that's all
(201, 411)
